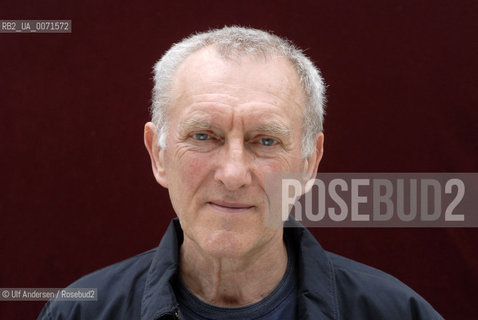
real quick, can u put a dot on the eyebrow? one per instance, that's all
(195, 123)
(274, 128)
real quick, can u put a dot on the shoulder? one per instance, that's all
(373, 294)
(117, 274)
(119, 289)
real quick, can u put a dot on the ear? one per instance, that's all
(312, 162)
(156, 153)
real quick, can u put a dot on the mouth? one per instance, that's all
(229, 207)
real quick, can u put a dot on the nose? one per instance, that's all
(233, 169)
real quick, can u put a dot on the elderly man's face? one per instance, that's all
(230, 122)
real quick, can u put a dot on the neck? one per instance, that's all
(232, 282)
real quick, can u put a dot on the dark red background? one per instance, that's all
(77, 192)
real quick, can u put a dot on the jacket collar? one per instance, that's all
(317, 298)
(317, 291)
(158, 298)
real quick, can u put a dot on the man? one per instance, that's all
(229, 106)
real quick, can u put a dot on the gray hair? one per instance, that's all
(238, 40)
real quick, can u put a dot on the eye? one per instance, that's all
(267, 141)
(201, 136)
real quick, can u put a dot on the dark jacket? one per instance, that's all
(330, 286)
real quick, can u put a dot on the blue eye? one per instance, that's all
(267, 141)
(201, 136)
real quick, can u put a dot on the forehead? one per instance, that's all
(237, 80)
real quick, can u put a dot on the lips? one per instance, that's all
(230, 207)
